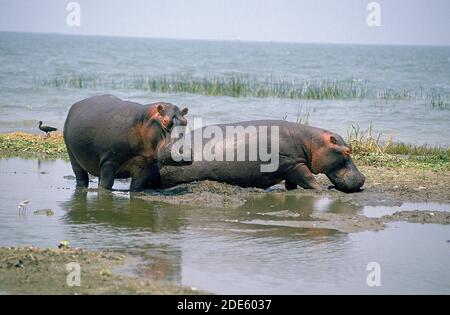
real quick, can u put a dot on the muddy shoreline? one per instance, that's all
(31, 270)
(389, 178)
(384, 186)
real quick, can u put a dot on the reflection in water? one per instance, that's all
(123, 217)
(304, 205)
(210, 248)
(301, 207)
(126, 216)
(120, 210)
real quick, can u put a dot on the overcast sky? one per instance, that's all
(317, 21)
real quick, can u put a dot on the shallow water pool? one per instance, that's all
(214, 249)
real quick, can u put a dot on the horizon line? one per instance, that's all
(222, 40)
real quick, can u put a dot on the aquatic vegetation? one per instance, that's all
(237, 85)
(303, 117)
(437, 101)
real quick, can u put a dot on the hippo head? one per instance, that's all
(168, 115)
(331, 155)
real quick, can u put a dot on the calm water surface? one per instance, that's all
(25, 59)
(212, 249)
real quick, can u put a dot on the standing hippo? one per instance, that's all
(303, 151)
(111, 138)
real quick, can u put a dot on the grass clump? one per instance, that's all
(370, 149)
(20, 143)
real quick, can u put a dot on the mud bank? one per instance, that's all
(328, 221)
(202, 194)
(353, 223)
(214, 194)
(384, 186)
(430, 217)
(30, 270)
(389, 186)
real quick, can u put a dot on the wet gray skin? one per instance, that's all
(302, 152)
(347, 178)
(112, 138)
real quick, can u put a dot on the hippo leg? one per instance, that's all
(155, 177)
(150, 176)
(80, 174)
(302, 176)
(107, 174)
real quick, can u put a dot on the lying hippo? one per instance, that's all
(303, 151)
(111, 138)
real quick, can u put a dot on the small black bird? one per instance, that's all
(46, 129)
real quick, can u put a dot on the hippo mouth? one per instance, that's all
(348, 178)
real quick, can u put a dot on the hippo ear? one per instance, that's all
(184, 111)
(160, 109)
(333, 140)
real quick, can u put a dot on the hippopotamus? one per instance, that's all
(303, 151)
(112, 138)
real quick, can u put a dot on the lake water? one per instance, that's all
(27, 60)
(215, 249)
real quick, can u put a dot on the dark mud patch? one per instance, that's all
(329, 221)
(433, 217)
(202, 194)
(347, 223)
(384, 187)
(30, 270)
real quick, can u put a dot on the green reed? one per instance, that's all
(237, 85)
(437, 100)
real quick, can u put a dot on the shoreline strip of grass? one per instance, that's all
(28, 145)
(367, 150)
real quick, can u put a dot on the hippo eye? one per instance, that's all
(333, 140)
